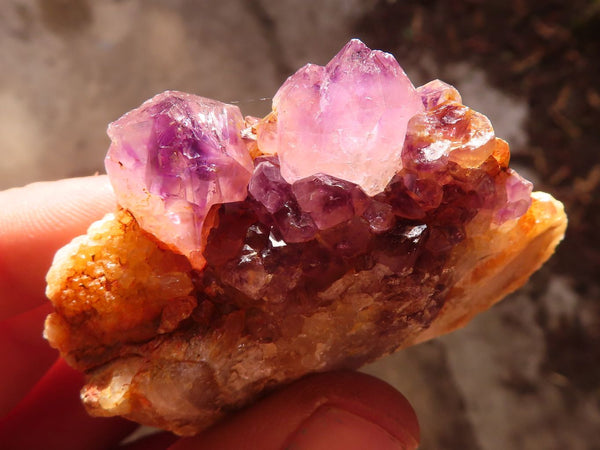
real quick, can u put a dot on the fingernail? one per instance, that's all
(331, 428)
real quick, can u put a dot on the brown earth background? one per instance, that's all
(526, 374)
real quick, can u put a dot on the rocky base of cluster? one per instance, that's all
(202, 348)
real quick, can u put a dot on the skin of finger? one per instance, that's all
(271, 422)
(333, 428)
(53, 417)
(25, 355)
(35, 221)
(158, 441)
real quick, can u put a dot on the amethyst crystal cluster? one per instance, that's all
(286, 241)
(352, 158)
(361, 216)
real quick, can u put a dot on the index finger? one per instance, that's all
(35, 221)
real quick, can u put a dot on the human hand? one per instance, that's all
(39, 401)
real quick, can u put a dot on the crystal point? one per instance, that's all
(347, 119)
(174, 157)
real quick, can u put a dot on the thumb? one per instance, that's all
(329, 411)
(35, 221)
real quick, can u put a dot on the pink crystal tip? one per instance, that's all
(347, 119)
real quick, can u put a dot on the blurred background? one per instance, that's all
(524, 375)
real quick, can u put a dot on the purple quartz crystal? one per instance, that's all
(518, 197)
(347, 119)
(379, 215)
(450, 132)
(270, 190)
(329, 200)
(174, 157)
(436, 92)
(268, 186)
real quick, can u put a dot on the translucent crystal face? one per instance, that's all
(174, 157)
(347, 119)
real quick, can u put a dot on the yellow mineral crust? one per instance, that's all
(491, 265)
(114, 285)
